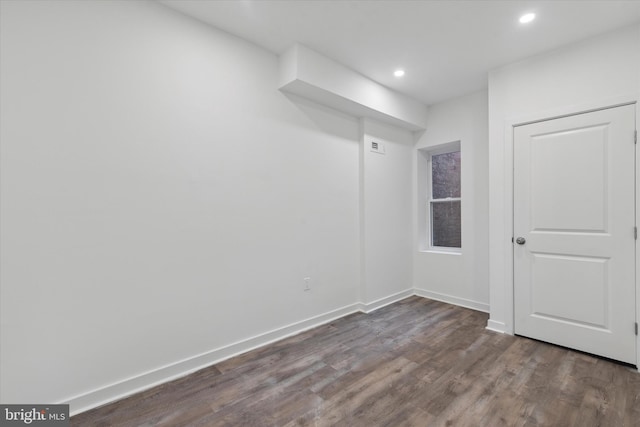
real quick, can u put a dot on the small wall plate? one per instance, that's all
(377, 147)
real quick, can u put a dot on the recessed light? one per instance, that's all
(527, 17)
(398, 73)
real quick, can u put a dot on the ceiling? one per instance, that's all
(446, 47)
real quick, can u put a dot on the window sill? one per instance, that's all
(440, 251)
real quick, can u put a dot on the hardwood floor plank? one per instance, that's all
(417, 362)
(352, 402)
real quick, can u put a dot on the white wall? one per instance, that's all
(594, 73)
(386, 212)
(160, 198)
(458, 278)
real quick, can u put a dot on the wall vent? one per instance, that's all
(377, 147)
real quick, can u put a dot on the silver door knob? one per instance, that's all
(520, 241)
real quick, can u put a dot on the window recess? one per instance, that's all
(442, 198)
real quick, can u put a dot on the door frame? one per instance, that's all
(508, 232)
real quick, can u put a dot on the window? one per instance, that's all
(445, 199)
(439, 198)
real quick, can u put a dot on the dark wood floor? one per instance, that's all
(414, 363)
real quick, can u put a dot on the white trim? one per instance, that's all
(382, 302)
(446, 147)
(450, 299)
(446, 200)
(509, 323)
(152, 378)
(572, 109)
(637, 159)
(138, 383)
(441, 251)
(494, 326)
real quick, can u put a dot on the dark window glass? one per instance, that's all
(445, 173)
(446, 225)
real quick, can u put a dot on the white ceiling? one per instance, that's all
(446, 47)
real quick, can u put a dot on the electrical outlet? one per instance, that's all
(307, 283)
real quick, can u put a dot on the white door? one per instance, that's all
(574, 209)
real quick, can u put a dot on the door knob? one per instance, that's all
(520, 240)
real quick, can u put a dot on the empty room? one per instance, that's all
(319, 213)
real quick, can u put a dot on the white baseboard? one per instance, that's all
(494, 326)
(379, 303)
(135, 384)
(152, 378)
(462, 302)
